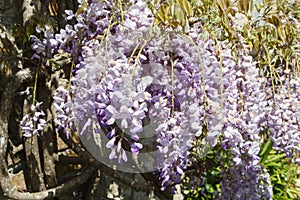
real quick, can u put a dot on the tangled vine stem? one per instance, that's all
(80, 178)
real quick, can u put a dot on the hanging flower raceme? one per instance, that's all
(33, 123)
(283, 116)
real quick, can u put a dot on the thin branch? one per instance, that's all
(63, 160)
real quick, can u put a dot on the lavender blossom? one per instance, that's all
(283, 116)
(63, 107)
(33, 123)
(131, 74)
(245, 183)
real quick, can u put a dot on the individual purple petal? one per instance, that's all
(111, 143)
(124, 157)
(111, 109)
(112, 154)
(111, 134)
(110, 121)
(124, 123)
(179, 170)
(136, 147)
(139, 145)
(87, 124)
(135, 137)
(119, 146)
(136, 129)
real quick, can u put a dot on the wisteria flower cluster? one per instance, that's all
(283, 116)
(63, 107)
(240, 183)
(45, 48)
(33, 123)
(130, 73)
(244, 105)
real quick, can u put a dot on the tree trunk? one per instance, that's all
(9, 14)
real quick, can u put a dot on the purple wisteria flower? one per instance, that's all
(173, 144)
(244, 108)
(63, 106)
(33, 123)
(283, 116)
(47, 46)
(133, 80)
(241, 183)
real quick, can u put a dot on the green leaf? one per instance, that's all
(160, 15)
(273, 164)
(293, 192)
(186, 7)
(275, 158)
(179, 15)
(263, 154)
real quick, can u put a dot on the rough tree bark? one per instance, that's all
(9, 14)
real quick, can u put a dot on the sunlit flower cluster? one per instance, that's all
(33, 123)
(131, 74)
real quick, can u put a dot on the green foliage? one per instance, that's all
(284, 175)
(265, 150)
(173, 13)
(269, 29)
(273, 37)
